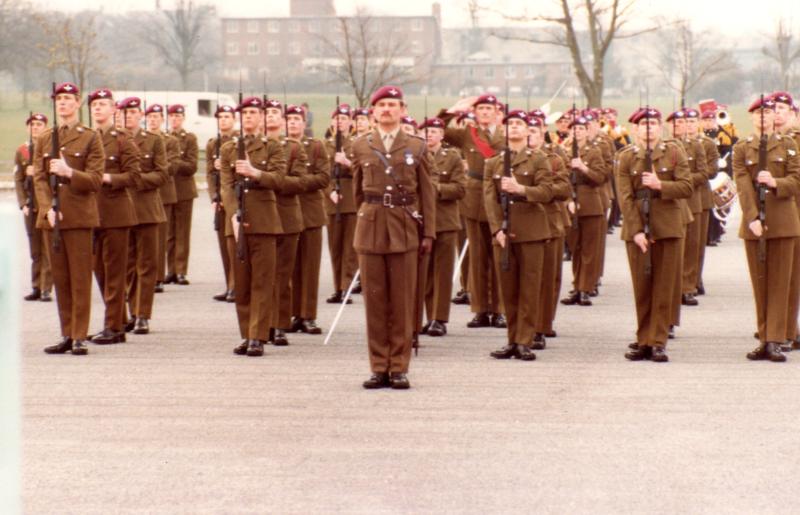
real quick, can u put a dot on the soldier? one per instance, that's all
(716, 125)
(651, 176)
(528, 187)
(179, 234)
(291, 216)
(305, 279)
(465, 119)
(68, 182)
(117, 215)
(396, 223)
(340, 205)
(361, 121)
(41, 278)
(769, 245)
(252, 222)
(225, 116)
(584, 239)
(143, 250)
(449, 180)
(409, 125)
(602, 140)
(478, 143)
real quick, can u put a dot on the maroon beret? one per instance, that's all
(298, 110)
(536, 121)
(795, 107)
(176, 109)
(435, 123)
(409, 121)
(36, 117)
(273, 104)
(251, 102)
(645, 113)
(580, 120)
(782, 97)
(608, 110)
(518, 114)
(130, 103)
(691, 113)
(486, 98)
(465, 115)
(767, 102)
(361, 111)
(707, 115)
(224, 109)
(634, 115)
(591, 115)
(154, 108)
(572, 113)
(99, 94)
(680, 114)
(66, 87)
(341, 109)
(537, 113)
(386, 92)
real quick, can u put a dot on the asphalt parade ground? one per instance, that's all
(174, 422)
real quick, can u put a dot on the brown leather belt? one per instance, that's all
(640, 194)
(390, 200)
(475, 175)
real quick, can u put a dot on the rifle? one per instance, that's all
(242, 186)
(216, 177)
(28, 182)
(505, 203)
(337, 169)
(648, 165)
(573, 177)
(55, 180)
(762, 190)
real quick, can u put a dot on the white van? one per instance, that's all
(200, 107)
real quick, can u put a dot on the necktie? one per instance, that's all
(387, 141)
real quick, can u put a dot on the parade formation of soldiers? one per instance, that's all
(482, 191)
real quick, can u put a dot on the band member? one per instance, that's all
(250, 202)
(584, 239)
(143, 247)
(717, 126)
(527, 188)
(117, 215)
(340, 205)
(651, 176)
(41, 278)
(65, 186)
(291, 216)
(396, 223)
(179, 234)
(478, 143)
(768, 193)
(449, 180)
(226, 118)
(305, 279)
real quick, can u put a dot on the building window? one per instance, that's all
(232, 48)
(294, 48)
(252, 48)
(511, 72)
(416, 25)
(294, 26)
(232, 26)
(252, 26)
(273, 48)
(273, 26)
(489, 74)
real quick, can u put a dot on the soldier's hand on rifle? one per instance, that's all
(217, 164)
(755, 228)
(510, 185)
(501, 238)
(578, 163)
(60, 167)
(235, 224)
(29, 170)
(341, 158)
(51, 217)
(106, 178)
(245, 168)
(335, 197)
(465, 104)
(641, 241)
(651, 180)
(216, 206)
(25, 210)
(764, 177)
(426, 246)
(571, 207)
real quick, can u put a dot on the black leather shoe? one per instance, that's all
(130, 324)
(425, 328)
(182, 280)
(583, 299)
(357, 288)
(786, 346)
(567, 255)
(310, 327)
(758, 353)
(633, 346)
(142, 326)
(773, 351)
(507, 352)
(35, 294)
(639, 354)
(796, 344)
(539, 343)
(108, 337)
(255, 348)
(399, 381)
(572, 297)
(671, 332)
(377, 380)
(335, 298)
(79, 348)
(701, 289)
(159, 287)
(499, 321)
(170, 279)
(755, 335)
(437, 329)
(659, 355)
(46, 297)
(551, 334)
(65, 345)
(280, 339)
(231, 297)
(295, 326)
(687, 299)
(594, 293)
(221, 296)
(462, 297)
(480, 320)
(241, 349)
(525, 353)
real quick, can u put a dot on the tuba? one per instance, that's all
(723, 191)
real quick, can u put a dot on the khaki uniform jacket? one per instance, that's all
(152, 175)
(672, 168)
(212, 176)
(186, 165)
(590, 184)
(22, 159)
(347, 203)
(696, 157)
(783, 163)
(173, 149)
(115, 201)
(712, 167)
(606, 145)
(527, 218)
(83, 152)
(389, 230)
(294, 183)
(557, 213)
(317, 180)
(261, 204)
(449, 181)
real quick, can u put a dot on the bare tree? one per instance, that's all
(370, 57)
(687, 60)
(177, 36)
(784, 52)
(603, 21)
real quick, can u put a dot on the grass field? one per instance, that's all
(13, 133)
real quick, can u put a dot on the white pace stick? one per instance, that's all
(341, 308)
(459, 261)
